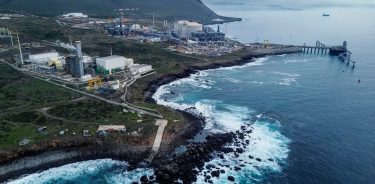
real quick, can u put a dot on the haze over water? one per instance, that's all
(309, 113)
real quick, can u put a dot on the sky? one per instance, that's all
(300, 3)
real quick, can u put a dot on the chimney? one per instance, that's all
(79, 51)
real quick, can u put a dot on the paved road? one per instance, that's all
(159, 135)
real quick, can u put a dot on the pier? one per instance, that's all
(322, 48)
(341, 51)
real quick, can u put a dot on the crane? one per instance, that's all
(206, 19)
(226, 32)
(109, 19)
(122, 13)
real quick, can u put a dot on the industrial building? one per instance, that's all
(113, 63)
(75, 15)
(74, 64)
(209, 36)
(140, 68)
(185, 28)
(42, 58)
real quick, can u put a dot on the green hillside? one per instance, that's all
(165, 9)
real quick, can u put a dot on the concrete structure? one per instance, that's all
(54, 61)
(85, 77)
(140, 68)
(114, 84)
(135, 26)
(113, 62)
(75, 15)
(86, 133)
(62, 132)
(152, 39)
(111, 127)
(24, 142)
(185, 28)
(43, 57)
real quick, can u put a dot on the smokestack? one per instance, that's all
(79, 51)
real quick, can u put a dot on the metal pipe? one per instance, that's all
(19, 46)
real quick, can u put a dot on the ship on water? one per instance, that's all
(325, 15)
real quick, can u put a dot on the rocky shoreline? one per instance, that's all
(168, 167)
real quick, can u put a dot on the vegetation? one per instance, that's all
(163, 9)
(20, 91)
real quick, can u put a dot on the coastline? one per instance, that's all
(171, 139)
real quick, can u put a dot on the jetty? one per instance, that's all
(320, 47)
(341, 50)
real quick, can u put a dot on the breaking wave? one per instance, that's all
(93, 171)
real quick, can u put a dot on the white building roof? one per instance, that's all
(110, 57)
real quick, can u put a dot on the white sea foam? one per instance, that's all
(233, 80)
(288, 81)
(93, 171)
(255, 62)
(296, 61)
(286, 74)
(266, 141)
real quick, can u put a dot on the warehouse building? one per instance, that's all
(113, 63)
(75, 15)
(42, 58)
(185, 28)
(140, 68)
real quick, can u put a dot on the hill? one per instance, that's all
(163, 9)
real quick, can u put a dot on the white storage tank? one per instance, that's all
(185, 28)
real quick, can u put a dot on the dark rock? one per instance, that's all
(239, 150)
(208, 177)
(222, 171)
(144, 179)
(270, 159)
(210, 181)
(215, 174)
(237, 168)
(242, 165)
(152, 177)
(251, 157)
(258, 159)
(230, 178)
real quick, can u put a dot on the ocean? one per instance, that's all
(312, 121)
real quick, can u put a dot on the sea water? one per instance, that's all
(312, 121)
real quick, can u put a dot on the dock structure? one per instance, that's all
(322, 48)
(341, 51)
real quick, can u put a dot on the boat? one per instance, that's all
(325, 15)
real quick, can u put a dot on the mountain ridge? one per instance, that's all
(163, 9)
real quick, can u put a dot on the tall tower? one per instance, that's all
(80, 58)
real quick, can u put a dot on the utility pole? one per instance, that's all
(19, 46)
(11, 37)
(70, 38)
(153, 20)
(110, 49)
